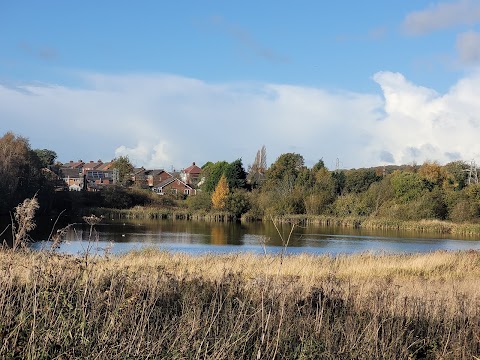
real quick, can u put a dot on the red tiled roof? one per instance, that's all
(192, 169)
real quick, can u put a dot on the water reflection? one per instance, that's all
(202, 237)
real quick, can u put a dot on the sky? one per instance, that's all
(168, 83)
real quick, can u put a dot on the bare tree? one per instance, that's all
(256, 171)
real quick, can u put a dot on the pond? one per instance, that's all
(198, 237)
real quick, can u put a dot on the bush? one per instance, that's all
(238, 202)
(201, 201)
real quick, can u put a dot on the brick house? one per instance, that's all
(174, 186)
(191, 175)
(156, 177)
(73, 178)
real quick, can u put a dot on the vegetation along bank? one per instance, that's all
(428, 197)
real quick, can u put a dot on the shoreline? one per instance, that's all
(371, 223)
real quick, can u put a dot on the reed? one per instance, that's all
(153, 304)
(141, 212)
(425, 226)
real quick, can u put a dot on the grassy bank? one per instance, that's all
(425, 226)
(154, 304)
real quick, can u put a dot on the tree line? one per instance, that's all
(287, 186)
(408, 192)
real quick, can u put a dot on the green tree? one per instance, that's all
(47, 157)
(284, 171)
(212, 172)
(238, 202)
(322, 193)
(116, 197)
(236, 175)
(455, 175)
(124, 167)
(359, 180)
(378, 194)
(339, 179)
(318, 166)
(219, 196)
(201, 201)
(407, 186)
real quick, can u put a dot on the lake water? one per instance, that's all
(196, 237)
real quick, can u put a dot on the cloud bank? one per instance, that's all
(164, 121)
(441, 16)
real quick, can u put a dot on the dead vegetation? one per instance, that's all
(153, 304)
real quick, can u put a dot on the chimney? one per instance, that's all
(193, 163)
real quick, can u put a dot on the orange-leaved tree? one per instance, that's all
(220, 194)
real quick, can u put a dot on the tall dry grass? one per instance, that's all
(153, 304)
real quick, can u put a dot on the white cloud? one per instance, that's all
(421, 124)
(442, 15)
(163, 121)
(468, 46)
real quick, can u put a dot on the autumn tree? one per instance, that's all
(219, 196)
(432, 173)
(20, 171)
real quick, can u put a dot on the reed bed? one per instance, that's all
(153, 304)
(424, 226)
(140, 212)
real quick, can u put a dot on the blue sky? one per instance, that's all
(171, 82)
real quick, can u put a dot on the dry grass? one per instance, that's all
(153, 304)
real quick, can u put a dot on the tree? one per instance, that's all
(322, 192)
(46, 157)
(238, 202)
(456, 175)
(212, 173)
(235, 174)
(339, 179)
(124, 167)
(407, 186)
(256, 171)
(432, 173)
(220, 194)
(318, 166)
(285, 170)
(358, 181)
(20, 171)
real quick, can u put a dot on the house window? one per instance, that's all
(174, 191)
(186, 191)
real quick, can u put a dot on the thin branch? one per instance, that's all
(5, 229)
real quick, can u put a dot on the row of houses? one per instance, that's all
(97, 175)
